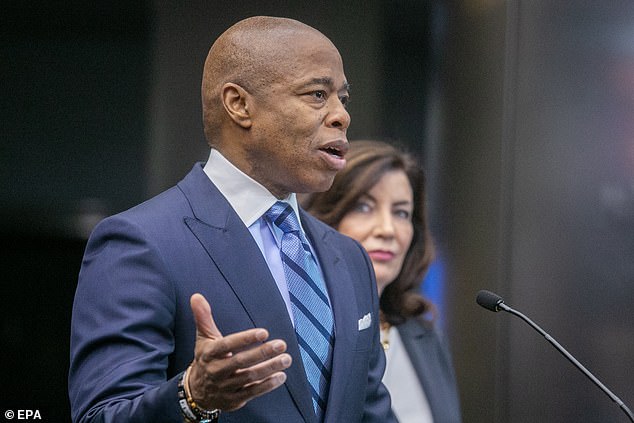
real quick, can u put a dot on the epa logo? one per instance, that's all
(23, 415)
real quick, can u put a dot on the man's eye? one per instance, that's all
(344, 100)
(319, 95)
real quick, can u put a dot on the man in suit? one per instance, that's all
(184, 310)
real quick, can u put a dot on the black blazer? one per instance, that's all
(429, 353)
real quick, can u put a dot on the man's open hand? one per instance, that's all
(228, 371)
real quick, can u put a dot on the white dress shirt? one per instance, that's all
(251, 200)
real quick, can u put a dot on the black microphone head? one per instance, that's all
(489, 300)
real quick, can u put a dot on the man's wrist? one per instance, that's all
(191, 412)
(186, 411)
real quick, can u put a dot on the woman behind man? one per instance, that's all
(379, 200)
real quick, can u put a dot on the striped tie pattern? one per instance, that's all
(309, 302)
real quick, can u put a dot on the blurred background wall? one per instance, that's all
(522, 111)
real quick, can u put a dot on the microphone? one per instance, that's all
(495, 303)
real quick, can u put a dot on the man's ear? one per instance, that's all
(235, 100)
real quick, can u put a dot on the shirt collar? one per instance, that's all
(249, 199)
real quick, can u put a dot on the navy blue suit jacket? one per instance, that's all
(133, 332)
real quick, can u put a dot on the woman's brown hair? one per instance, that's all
(367, 162)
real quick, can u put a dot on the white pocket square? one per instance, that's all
(365, 321)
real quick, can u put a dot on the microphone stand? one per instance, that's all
(566, 354)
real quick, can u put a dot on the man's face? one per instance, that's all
(299, 123)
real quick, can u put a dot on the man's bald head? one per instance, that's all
(252, 53)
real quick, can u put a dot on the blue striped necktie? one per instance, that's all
(309, 302)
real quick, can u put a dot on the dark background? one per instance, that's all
(522, 111)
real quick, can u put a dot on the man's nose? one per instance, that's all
(339, 116)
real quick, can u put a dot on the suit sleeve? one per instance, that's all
(122, 331)
(377, 407)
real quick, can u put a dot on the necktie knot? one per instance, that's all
(283, 216)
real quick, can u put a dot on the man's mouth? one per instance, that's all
(334, 154)
(337, 149)
(333, 151)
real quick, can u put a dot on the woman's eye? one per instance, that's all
(362, 208)
(403, 214)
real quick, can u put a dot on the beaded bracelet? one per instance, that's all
(188, 414)
(201, 415)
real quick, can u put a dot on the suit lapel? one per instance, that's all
(417, 340)
(433, 368)
(342, 297)
(233, 250)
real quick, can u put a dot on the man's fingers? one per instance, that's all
(261, 387)
(260, 354)
(247, 393)
(241, 350)
(205, 325)
(244, 377)
(236, 343)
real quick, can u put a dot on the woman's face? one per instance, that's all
(382, 222)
